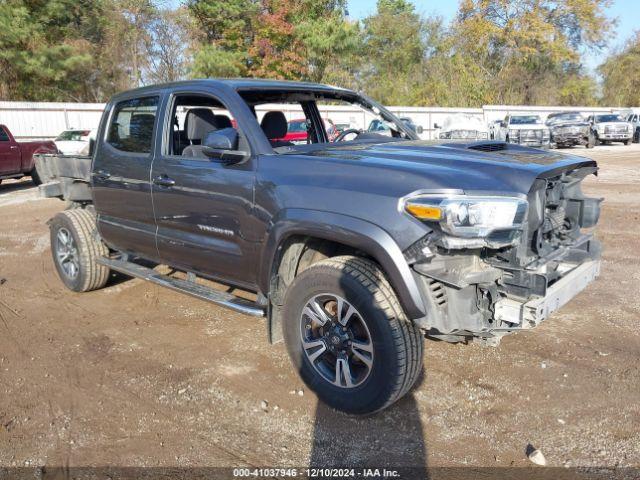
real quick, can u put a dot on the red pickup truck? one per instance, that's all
(16, 158)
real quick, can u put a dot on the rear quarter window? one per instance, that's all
(4, 137)
(132, 122)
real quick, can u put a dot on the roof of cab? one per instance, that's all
(237, 84)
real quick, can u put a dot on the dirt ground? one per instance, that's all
(135, 375)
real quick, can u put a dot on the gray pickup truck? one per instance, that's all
(354, 249)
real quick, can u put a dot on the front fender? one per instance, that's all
(356, 233)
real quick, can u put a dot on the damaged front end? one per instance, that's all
(526, 258)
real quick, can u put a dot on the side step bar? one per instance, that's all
(192, 288)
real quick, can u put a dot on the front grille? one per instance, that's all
(528, 135)
(569, 130)
(617, 129)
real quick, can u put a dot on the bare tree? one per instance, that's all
(167, 50)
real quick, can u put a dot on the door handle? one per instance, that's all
(13, 147)
(102, 175)
(164, 181)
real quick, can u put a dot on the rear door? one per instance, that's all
(204, 208)
(9, 153)
(120, 175)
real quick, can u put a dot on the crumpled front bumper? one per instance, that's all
(525, 315)
(570, 138)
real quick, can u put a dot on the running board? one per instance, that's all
(192, 288)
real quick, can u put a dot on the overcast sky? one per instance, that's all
(627, 13)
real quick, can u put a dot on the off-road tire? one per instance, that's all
(397, 342)
(81, 224)
(636, 136)
(627, 142)
(35, 178)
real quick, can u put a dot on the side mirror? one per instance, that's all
(436, 126)
(419, 130)
(223, 144)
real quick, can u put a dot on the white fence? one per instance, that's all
(30, 120)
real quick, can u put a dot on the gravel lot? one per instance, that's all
(135, 375)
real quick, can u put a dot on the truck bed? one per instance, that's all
(67, 177)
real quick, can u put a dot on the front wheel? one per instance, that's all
(627, 142)
(591, 141)
(348, 336)
(76, 250)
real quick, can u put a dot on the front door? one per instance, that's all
(203, 207)
(9, 154)
(120, 176)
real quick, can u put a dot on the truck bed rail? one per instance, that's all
(67, 177)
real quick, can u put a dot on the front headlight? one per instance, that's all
(514, 133)
(480, 220)
(445, 135)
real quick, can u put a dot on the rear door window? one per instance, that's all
(132, 125)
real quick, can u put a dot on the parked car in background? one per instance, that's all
(524, 130)
(633, 117)
(297, 131)
(611, 127)
(462, 127)
(568, 129)
(72, 142)
(382, 128)
(16, 158)
(408, 121)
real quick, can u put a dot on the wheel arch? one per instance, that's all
(296, 231)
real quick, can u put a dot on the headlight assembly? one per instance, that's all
(475, 221)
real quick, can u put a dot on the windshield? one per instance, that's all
(525, 120)
(316, 112)
(566, 117)
(609, 118)
(72, 135)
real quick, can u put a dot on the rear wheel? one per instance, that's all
(596, 139)
(348, 337)
(76, 250)
(636, 136)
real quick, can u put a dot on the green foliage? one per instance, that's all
(621, 85)
(38, 54)
(531, 48)
(494, 51)
(394, 47)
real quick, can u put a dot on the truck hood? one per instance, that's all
(477, 166)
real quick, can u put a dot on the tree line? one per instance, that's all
(493, 51)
